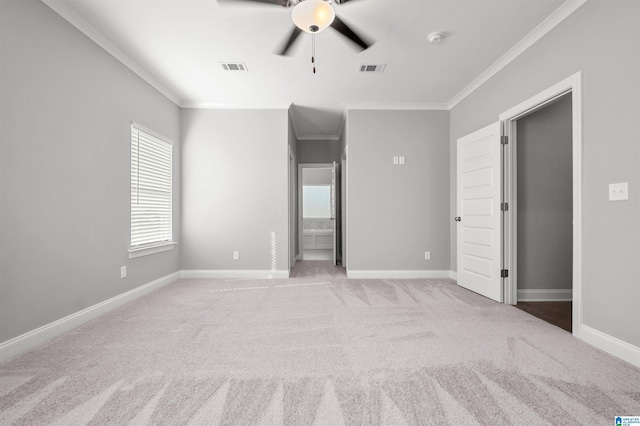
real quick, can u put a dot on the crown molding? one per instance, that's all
(90, 31)
(236, 105)
(559, 15)
(418, 106)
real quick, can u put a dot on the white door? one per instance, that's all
(479, 214)
(333, 214)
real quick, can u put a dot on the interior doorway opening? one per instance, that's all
(487, 206)
(541, 178)
(543, 212)
(319, 212)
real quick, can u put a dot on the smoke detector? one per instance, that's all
(435, 37)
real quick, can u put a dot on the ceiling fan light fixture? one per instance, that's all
(313, 16)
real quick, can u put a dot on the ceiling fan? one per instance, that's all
(313, 17)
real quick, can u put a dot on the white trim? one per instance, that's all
(138, 126)
(239, 105)
(545, 295)
(345, 207)
(318, 138)
(33, 338)
(292, 205)
(90, 31)
(145, 251)
(536, 34)
(228, 273)
(612, 345)
(571, 84)
(541, 99)
(301, 167)
(409, 106)
(453, 275)
(381, 274)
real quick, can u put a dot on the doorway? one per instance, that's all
(319, 212)
(542, 178)
(487, 220)
(543, 210)
(293, 209)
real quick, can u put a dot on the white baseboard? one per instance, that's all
(33, 338)
(453, 275)
(612, 345)
(363, 274)
(543, 295)
(256, 274)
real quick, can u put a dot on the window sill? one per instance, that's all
(153, 249)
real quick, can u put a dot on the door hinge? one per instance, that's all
(504, 273)
(504, 140)
(504, 207)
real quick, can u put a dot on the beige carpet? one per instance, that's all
(316, 352)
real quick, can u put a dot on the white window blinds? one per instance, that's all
(151, 188)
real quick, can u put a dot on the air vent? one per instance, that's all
(367, 68)
(235, 66)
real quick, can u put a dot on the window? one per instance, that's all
(316, 201)
(151, 192)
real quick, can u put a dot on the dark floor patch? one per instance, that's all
(556, 313)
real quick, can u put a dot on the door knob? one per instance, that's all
(458, 219)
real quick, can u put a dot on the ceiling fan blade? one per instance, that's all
(292, 38)
(346, 31)
(284, 3)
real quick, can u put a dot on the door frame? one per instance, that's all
(302, 166)
(293, 227)
(573, 85)
(344, 172)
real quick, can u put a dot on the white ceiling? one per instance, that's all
(179, 45)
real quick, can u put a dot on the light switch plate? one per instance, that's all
(402, 159)
(395, 159)
(619, 191)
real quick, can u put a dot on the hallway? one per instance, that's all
(318, 269)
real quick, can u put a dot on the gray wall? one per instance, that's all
(65, 115)
(318, 151)
(545, 203)
(396, 213)
(611, 149)
(316, 176)
(235, 189)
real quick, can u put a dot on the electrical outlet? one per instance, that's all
(402, 159)
(619, 191)
(236, 255)
(123, 272)
(395, 159)
(427, 255)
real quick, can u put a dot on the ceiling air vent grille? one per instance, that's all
(368, 68)
(234, 66)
